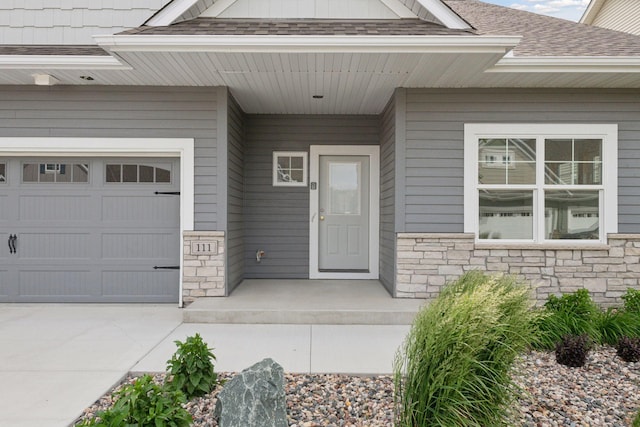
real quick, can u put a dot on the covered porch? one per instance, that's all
(300, 301)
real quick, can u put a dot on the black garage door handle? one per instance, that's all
(169, 267)
(12, 243)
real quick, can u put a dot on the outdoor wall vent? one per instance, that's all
(44, 80)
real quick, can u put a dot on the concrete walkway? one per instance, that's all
(55, 360)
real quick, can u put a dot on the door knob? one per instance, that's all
(321, 217)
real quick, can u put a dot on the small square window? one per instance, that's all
(289, 169)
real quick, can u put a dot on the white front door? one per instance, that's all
(344, 212)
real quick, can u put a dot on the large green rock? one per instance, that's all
(254, 398)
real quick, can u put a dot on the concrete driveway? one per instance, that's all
(55, 360)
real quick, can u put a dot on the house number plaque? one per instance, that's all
(204, 248)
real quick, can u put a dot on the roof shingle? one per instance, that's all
(545, 35)
(299, 27)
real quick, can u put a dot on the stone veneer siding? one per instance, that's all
(203, 275)
(426, 261)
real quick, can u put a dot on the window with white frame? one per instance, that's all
(537, 183)
(289, 169)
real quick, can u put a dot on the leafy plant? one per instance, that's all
(570, 314)
(629, 349)
(453, 369)
(191, 368)
(144, 404)
(636, 420)
(573, 350)
(614, 324)
(632, 301)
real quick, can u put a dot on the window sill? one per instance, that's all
(545, 246)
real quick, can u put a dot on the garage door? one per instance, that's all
(89, 230)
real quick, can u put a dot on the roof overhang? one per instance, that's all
(61, 62)
(591, 11)
(549, 64)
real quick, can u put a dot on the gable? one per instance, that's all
(309, 9)
(428, 10)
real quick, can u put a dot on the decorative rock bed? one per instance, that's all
(605, 392)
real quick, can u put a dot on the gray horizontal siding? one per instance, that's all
(387, 195)
(235, 194)
(276, 219)
(123, 112)
(435, 132)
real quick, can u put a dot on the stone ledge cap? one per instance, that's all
(624, 236)
(435, 236)
(203, 233)
(543, 247)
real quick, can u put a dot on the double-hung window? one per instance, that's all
(540, 183)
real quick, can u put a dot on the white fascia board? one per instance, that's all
(445, 15)
(61, 62)
(220, 43)
(171, 12)
(591, 11)
(563, 64)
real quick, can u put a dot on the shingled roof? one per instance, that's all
(545, 35)
(299, 27)
(65, 50)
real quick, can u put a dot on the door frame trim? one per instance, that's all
(119, 147)
(373, 151)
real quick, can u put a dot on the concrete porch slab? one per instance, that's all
(305, 302)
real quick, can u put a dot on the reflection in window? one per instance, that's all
(289, 169)
(55, 172)
(135, 173)
(572, 215)
(344, 188)
(573, 161)
(506, 214)
(507, 161)
(3, 172)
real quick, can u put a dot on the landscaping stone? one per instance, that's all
(254, 398)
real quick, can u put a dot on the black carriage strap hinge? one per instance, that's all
(12, 243)
(170, 193)
(167, 267)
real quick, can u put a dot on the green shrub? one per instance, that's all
(144, 404)
(614, 324)
(632, 301)
(453, 369)
(636, 421)
(190, 368)
(570, 314)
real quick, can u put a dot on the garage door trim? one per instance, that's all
(120, 147)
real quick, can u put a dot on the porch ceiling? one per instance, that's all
(354, 75)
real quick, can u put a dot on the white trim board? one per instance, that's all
(121, 147)
(609, 135)
(373, 151)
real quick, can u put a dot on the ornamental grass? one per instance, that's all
(454, 367)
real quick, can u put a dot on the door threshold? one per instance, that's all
(343, 271)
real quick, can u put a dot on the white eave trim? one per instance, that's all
(221, 43)
(445, 15)
(170, 13)
(62, 62)
(563, 64)
(591, 12)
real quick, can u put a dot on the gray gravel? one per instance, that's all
(606, 392)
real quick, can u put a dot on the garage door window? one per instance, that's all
(55, 172)
(3, 173)
(128, 173)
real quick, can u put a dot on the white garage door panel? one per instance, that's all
(139, 246)
(92, 240)
(62, 207)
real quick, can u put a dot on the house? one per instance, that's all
(165, 151)
(619, 15)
